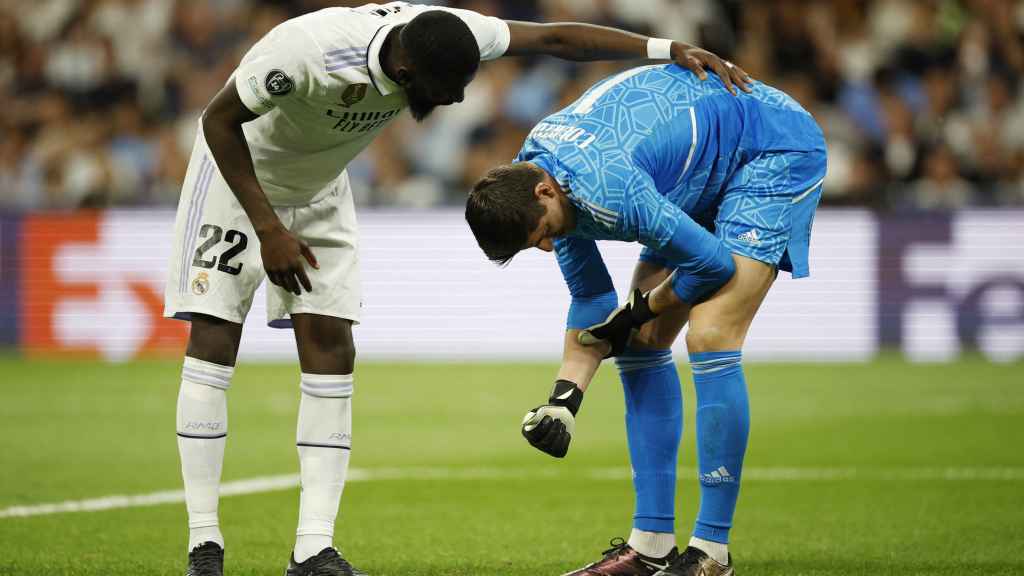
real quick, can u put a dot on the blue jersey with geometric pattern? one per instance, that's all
(641, 147)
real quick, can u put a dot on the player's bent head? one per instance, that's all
(443, 58)
(503, 210)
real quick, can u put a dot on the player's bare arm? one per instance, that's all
(579, 362)
(282, 252)
(585, 42)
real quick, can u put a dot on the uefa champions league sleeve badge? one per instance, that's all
(277, 83)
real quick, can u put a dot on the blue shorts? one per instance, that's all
(767, 209)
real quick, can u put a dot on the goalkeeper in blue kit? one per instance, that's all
(721, 191)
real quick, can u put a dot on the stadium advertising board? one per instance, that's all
(933, 287)
(9, 275)
(952, 284)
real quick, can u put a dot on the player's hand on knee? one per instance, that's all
(284, 257)
(549, 427)
(618, 328)
(616, 331)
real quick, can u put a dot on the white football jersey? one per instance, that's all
(317, 84)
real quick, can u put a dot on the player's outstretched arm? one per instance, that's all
(584, 42)
(549, 427)
(281, 251)
(579, 362)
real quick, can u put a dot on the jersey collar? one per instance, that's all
(386, 86)
(553, 167)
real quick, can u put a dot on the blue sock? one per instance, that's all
(723, 424)
(654, 425)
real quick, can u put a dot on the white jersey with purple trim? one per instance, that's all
(317, 84)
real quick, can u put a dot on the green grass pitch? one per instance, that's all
(881, 468)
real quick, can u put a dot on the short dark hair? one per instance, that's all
(441, 45)
(502, 210)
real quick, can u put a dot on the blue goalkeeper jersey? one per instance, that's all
(651, 154)
(640, 149)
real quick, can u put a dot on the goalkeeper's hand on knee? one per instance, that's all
(549, 427)
(618, 328)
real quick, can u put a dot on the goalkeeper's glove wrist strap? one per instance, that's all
(566, 393)
(640, 308)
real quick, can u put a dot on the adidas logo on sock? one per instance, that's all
(750, 237)
(719, 476)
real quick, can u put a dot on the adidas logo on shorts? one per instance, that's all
(750, 237)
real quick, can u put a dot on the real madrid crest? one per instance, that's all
(201, 284)
(352, 94)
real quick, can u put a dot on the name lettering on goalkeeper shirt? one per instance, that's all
(562, 133)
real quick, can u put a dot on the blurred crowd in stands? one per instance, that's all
(920, 100)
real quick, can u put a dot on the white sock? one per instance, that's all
(652, 544)
(716, 550)
(202, 425)
(324, 440)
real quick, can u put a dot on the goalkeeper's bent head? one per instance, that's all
(515, 207)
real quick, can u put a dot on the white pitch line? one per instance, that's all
(263, 484)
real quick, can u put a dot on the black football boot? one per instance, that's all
(207, 559)
(327, 563)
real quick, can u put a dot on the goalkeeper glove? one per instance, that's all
(549, 427)
(618, 327)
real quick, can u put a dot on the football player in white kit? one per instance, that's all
(266, 195)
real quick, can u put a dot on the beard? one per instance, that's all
(420, 108)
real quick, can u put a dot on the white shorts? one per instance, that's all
(216, 265)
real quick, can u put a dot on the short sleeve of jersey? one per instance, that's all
(279, 66)
(492, 34)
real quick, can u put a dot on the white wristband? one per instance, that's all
(659, 49)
